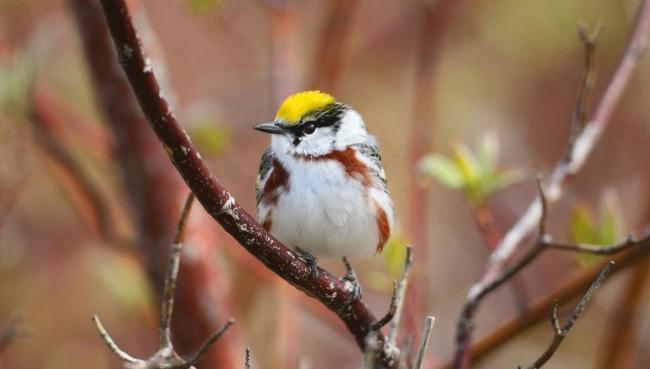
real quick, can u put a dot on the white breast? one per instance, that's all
(325, 212)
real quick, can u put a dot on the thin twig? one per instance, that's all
(401, 293)
(424, 341)
(630, 242)
(580, 148)
(588, 82)
(171, 277)
(247, 358)
(209, 342)
(112, 345)
(543, 242)
(539, 310)
(621, 332)
(560, 332)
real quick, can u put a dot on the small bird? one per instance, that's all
(321, 187)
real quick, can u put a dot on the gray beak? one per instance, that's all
(269, 128)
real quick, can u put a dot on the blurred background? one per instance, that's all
(470, 100)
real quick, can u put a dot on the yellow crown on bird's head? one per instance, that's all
(296, 106)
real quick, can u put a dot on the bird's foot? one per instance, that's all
(311, 260)
(351, 276)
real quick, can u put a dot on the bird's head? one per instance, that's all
(313, 123)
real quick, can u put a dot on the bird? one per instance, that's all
(321, 188)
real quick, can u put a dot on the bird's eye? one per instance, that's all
(309, 128)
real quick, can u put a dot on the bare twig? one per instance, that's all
(624, 320)
(172, 276)
(112, 345)
(247, 358)
(630, 242)
(219, 203)
(544, 242)
(560, 332)
(392, 309)
(539, 310)
(166, 356)
(588, 82)
(209, 342)
(401, 292)
(424, 341)
(579, 149)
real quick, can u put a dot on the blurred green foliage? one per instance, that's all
(392, 264)
(605, 230)
(16, 79)
(203, 6)
(211, 137)
(475, 172)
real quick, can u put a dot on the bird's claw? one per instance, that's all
(311, 260)
(351, 276)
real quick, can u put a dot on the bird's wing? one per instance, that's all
(266, 163)
(370, 150)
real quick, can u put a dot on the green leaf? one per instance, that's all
(443, 170)
(467, 163)
(504, 179)
(582, 226)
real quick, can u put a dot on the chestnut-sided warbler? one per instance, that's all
(321, 187)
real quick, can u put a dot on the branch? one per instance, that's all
(560, 332)
(43, 117)
(581, 146)
(217, 201)
(332, 47)
(539, 309)
(479, 291)
(578, 150)
(153, 192)
(424, 341)
(166, 356)
(401, 293)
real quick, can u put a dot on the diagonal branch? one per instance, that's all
(560, 332)
(218, 202)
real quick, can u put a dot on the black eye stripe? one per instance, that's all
(327, 117)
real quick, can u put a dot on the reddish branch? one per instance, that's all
(578, 149)
(332, 47)
(336, 294)
(154, 191)
(434, 20)
(44, 116)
